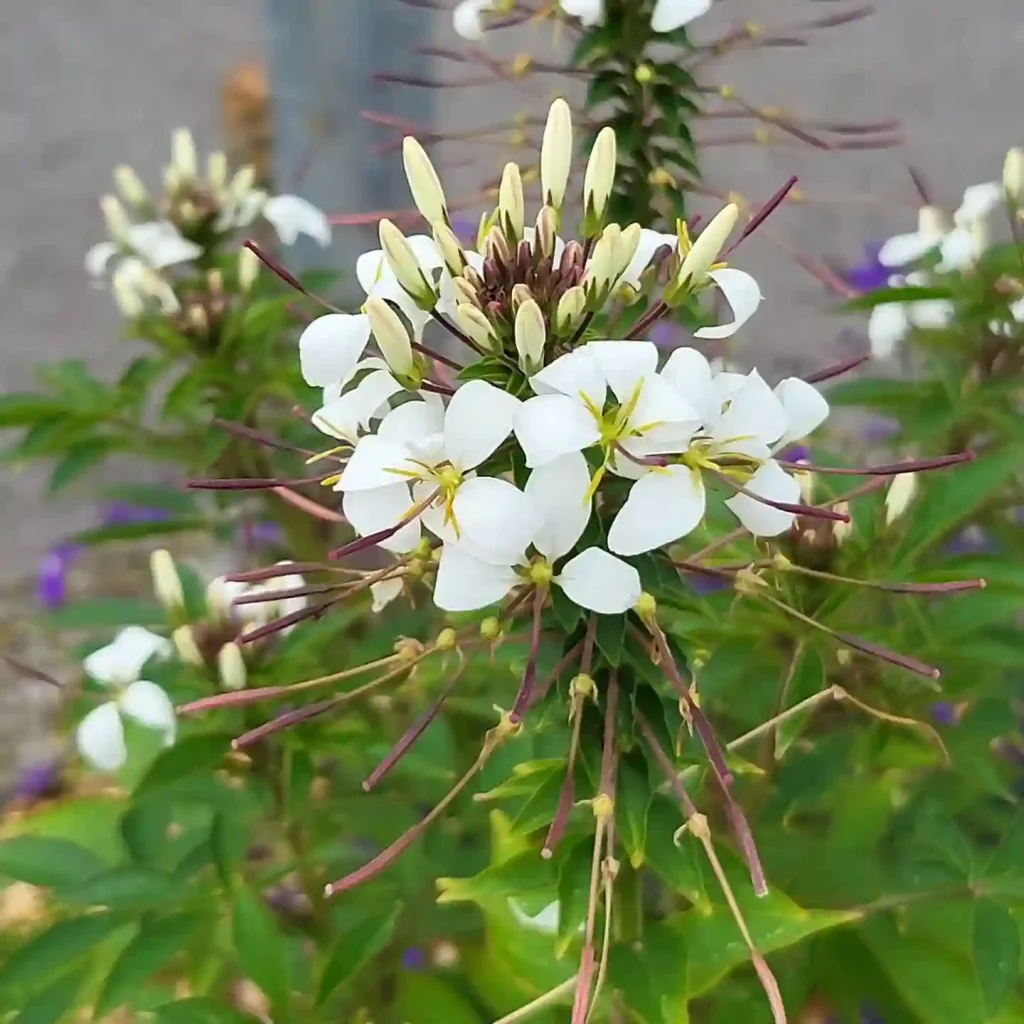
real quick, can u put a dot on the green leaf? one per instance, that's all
(353, 949)
(107, 612)
(611, 637)
(996, 945)
(525, 874)
(191, 755)
(78, 460)
(24, 409)
(155, 945)
(807, 679)
(56, 948)
(424, 999)
(48, 862)
(54, 1001)
(260, 946)
(199, 1010)
(170, 499)
(124, 888)
(678, 866)
(632, 802)
(139, 531)
(885, 296)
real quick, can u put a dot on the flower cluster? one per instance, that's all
(555, 454)
(149, 235)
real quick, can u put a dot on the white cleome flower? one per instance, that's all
(650, 243)
(291, 216)
(891, 322)
(672, 14)
(568, 413)
(424, 455)
(590, 12)
(100, 735)
(558, 495)
(742, 293)
(349, 408)
(467, 18)
(900, 250)
(744, 420)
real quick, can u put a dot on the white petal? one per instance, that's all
(161, 245)
(806, 408)
(979, 201)
(379, 509)
(121, 661)
(100, 738)
(689, 372)
(574, 374)
(900, 250)
(97, 258)
(558, 491)
(550, 426)
(742, 293)
(496, 521)
(465, 583)
(957, 250)
(887, 327)
(373, 464)
(728, 383)
(435, 516)
(624, 363)
(662, 507)
(478, 420)
(385, 592)
(371, 270)
(672, 14)
(466, 18)
(754, 414)
(600, 582)
(331, 345)
(149, 706)
(770, 481)
(650, 243)
(292, 216)
(412, 421)
(659, 404)
(931, 313)
(590, 12)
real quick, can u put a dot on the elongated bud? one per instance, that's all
(171, 178)
(231, 667)
(248, 268)
(129, 303)
(424, 184)
(129, 185)
(601, 267)
(704, 251)
(473, 321)
(217, 171)
(520, 294)
(547, 230)
(899, 496)
(932, 221)
(183, 154)
(185, 644)
(242, 183)
(570, 309)
(511, 205)
(405, 266)
(450, 248)
(219, 595)
(598, 180)
(391, 336)
(1013, 175)
(530, 337)
(556, 154)
(166, 582)
(496, 245)
(625, 250)
(114, 216)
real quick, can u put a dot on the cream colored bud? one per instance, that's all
(219, 595)
(705, 250)
(599, 178)
(496, 245)
(601, 270)
(114, 216)
(547, 231)
(899, 496)
(806, 482)
(475, 323)
(465, 293)
(129, 302)
(932, 221)
(391, 336)
(981, 237)
(184, 641)
(520, 294)
(243, 182)
(570, 309)
(197, 318)
(424, 184)
(625, 250)
(171, 179)
(556, 154)
(217, 171)
(451, 249)
(1013, 175)
(447, 640)
(129, 185)
(183, 154)
(248, 268)
(511, 205)
(646, 606)
(405, 266)
(215, 282)
(166, 582)
(231, 667)
(530, 337)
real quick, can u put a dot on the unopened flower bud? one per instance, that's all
(601, 273)
(215, 282)
(197, 318)
(114, 216)
(129, 185)
(511, 205)
(1013, 175)
(242, 183)
(185, 644)
(490, 628)
(450, 248)
(405, 266)
(570, 309)
(556, 154)
(391, 336)
(598, 180)
(582, 686)
(899, 496)
(166, 582)
(171, 179)
(806, 482)
(704, 251)
(183, 154)
(129, 302)
(217, 171)
(530, 337)
(646, 606)
(520, 293)
(248, 268)
(644, 74)
(625, 250)
(496, 245)
(231, 667)
(446, 640)
(931, 221)
(603, 806)
(424, 184)
(473, 321)
(547, 229)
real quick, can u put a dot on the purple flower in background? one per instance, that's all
(414, 959)
(255, 534)
(465, 228)
(971, 540)
(120, 513)
(51, 582)
(870, 1015)
(879, 429)
(37, 781)
(944, 712)
(705, 583)
(796, 453)
(665, 334)
(870, 275)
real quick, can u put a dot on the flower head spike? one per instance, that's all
(406, 267)
(556, 154)
(183, 155)
(100, 735)
(530, 334)
(598, 180)
(1013, 175)
(424, 184)
(511, 205)
(900, 250)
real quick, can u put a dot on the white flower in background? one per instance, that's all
(422, 449)
(590, 12)
(558, 495)
(348, 411)
(291, 216)
(899, 495)
(568, 413)
(135, 286)
(119, 665)
(900, 250)
(672, 14)
(385, 591)
(261, 612)
(467, 18)
(743, 419)
(891, 322)
(156, 244)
